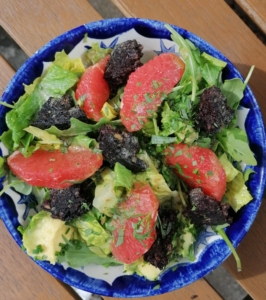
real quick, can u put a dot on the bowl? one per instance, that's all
(210, 248)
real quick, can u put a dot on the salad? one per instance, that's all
(127, 162)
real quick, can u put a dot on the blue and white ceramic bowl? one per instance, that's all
(211, 249)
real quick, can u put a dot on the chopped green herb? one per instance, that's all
(178, 153)
(133, 126)
(179, 168)
(85, 39)
(38, 249)
(174, 268)
(196, 171)
(85, 205)
(120, 239)
(148, 98)
(210, 173)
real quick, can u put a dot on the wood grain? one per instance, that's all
(221, 27)
(34, 23)
(252, 254)
(199, 290)
(256, 10)
(6, 73)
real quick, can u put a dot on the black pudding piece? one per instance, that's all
(214, 113)
(57, 112)
(159, 252)
(120, 146)
(70, 203)
(124, 60)
(205, 210)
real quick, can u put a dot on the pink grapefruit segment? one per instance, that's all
(135, 230)
(55, 169)
(147, 87)
(94, 87)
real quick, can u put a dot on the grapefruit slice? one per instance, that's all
(55, 169)
(198, 167)
(147, 87)
(94, 88)
(135, 230)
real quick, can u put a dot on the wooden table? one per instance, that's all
(33, 23)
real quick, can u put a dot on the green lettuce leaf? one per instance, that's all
(83, 141)
(123, 177)
(105, 193)
(54, 84)
(92, 232)
(77, 254)
(237, 192)
(6, 139)
(191, 70)
(154, 178)
(233, 90)
(211, 68)
(3, 170)
(80, 128)
(234, 141)
(247, 173)
(230, 170)
(96, 53)
(74, 65)
(43, 136)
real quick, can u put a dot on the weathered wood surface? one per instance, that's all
(6, 73)
(256, 10)
(34, 23)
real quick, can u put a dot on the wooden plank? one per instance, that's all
(252, 254)
(222, 28)
(33, 23)
(199, 290)
(256, 10)
(21, 278)
(6, 73)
